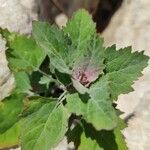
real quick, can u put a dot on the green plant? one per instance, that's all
(73, 94)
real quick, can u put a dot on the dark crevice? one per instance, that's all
(104, 12)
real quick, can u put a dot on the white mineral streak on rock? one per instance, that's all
(16, 15)
(131, 26)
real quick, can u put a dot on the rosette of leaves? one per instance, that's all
(90, 76)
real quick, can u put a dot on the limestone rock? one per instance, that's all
(131, 26)
(17, 15)
(6, 78)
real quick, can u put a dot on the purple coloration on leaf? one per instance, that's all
(85, 76)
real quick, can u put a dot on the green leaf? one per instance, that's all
(34, 103)
(53, 42)
(88, 143)
(80, 29)
(119, 138)
(98, 112)
(10, 138)
(23, 54)
(22, 82)
(123, 68)
(107, 140)
(46, 80)
(86, 59)
(100, 89)
(10, 110)
(45, 128)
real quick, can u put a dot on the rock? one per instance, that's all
(6, 78)
(61, 20)
(131, 26)
(138, 131)
(16, 15)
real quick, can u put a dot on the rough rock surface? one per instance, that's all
(131, 26)
(16, 15)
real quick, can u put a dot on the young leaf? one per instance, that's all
(45, 80)
(23, 53)
(45, 128)
(53, 42)
(99, 112)
(10, 138)
(90, 66)
(10, 109)
(80, 29)
(122, 68)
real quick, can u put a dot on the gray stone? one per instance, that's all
(131, 26)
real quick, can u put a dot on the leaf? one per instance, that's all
(87, 56)
(23, 54)
(79, 52)
(53, 42)
(80, 29)
(10, 109)
(44, 128)
(91, 65)
(34, 103)
(119, 138)
(10, 138)
(22, 82)
(79, 87)
(88, 143)
(46, 80)
(123, 68)
(107, 140)
(100, 113)
(100, 90)
(98, 110)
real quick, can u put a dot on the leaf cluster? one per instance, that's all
(66, 85)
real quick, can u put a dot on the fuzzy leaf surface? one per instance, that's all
(45, 128)
(100, 113)
(53, 42)
(23, 53)
(80, 29)
(122, 68)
